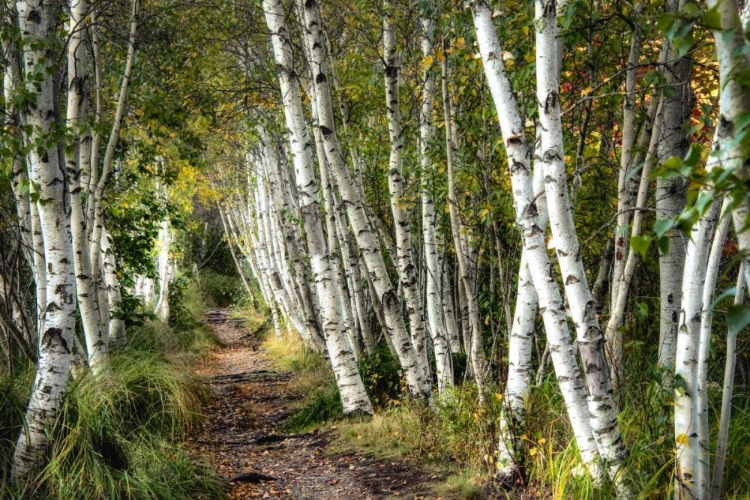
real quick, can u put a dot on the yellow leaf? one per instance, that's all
(428, 60)
(682, 439)
(586, 91)
(532, 451)
(541, 441)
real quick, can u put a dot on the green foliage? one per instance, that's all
(221, 290)
(322, 405)
(119, 435)
(381, 374)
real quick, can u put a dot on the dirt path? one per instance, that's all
(245, 442)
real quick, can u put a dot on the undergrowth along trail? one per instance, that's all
(247, 442)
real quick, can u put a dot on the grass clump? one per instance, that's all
(314, 382)
(120, 434)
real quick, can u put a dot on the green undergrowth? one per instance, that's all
(120, 434)
(457, 438)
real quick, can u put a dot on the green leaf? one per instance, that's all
(641, 244)
(662, 226)
(663, 244)
(642, 311)
(738, 318)
(729, 292)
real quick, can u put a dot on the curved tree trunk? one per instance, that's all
(542, 272)
(589, 335)
(46, 171)
(351, 386)
(417, 380)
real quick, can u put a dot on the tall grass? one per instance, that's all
(459, 435)
(120, 434)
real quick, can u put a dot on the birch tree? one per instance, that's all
(589, 336)
(407, 271)
(417, 380)
(542, 272)
(46, 170)
(350, 383)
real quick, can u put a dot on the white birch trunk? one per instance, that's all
(704, 345)
(429, 236)
(290, 240)
(351, 263)
(513, 415)
(670, 195)
(624, 200)
(589, 336)
(417, 380)
(722, 440)
(449, 312)
(164, 241)
(351, 387)
(46, 171)
(115, 324)
(100, 252)
(407, 271)
(732, 48)
(88, 302)
(542, 272)
(689, 478)
(617, 313)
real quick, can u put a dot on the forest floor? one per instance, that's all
(245, 442)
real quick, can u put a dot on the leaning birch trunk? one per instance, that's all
(233, 252)
(59, 316)
(284, 211)
(722, 441)
(513, 414)
(342, 296)
(476, 354)
(95, 222)
(449, 311)
(407, 270)
(617, 313)
(162, 305)
(88, 303)
(542, 272)
(626, 164)
(734, 103)
(589, 335)
(704, 345)
(28, 216)
(417, 380)
(351, 387)
(115, 323)
(429, 236)
(351, 263)
(691, 476)
(670, 195)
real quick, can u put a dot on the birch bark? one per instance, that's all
(722, 441)
(417, 380)
(351, 387)
(407, 271)
(88, 301)
(589, 335)
(46, 171)
(690, 477)
(542, 272)
(670, 194)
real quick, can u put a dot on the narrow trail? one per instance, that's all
(245, 442)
